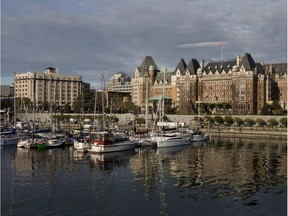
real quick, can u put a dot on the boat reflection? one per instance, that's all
(201, 143)
(79, 155)
(172, 150)
(143, 150)
(107, 161)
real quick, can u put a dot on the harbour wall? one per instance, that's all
(43, 119)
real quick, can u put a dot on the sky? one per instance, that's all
(92, 37)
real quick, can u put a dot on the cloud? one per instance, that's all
(202, 44)
(91, 37)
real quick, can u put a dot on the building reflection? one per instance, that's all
(226, 167)
(222, 167)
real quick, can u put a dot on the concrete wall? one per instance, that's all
(125, 118)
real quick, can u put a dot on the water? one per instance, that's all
(224, 177)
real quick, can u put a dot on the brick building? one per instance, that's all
(240, 85)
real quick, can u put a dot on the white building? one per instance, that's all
(49, 86)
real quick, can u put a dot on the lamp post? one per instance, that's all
(146, 102)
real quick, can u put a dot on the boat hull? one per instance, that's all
(81, 145)
(172, 142)
(122, 146)
(199, 138)
(51, 143)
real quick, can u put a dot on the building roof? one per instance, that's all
(193, 66)
(247, 61)
(214, 66)
(146, 63)
(277, 68)
(181, 67)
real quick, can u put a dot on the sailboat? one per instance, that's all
(29, 142)
(166, 139)
(106, 141)
(198, 136)
(53, 139)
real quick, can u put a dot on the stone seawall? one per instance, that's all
(265, 133)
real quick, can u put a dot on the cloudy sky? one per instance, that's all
(94, 37)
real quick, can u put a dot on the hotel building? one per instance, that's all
(48, 86)
(242, 84)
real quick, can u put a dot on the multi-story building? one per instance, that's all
(241, 84)
(48, 86)
(143, 81)
(119, 82)
(277, 83)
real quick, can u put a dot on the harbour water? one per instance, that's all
(223, 177)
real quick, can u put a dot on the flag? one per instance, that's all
(220, 44)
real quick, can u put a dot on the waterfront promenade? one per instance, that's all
(216, 131)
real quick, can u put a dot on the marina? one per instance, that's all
(224, 176)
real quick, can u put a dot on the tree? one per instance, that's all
(273, 122)
(276, 108)
(261, 122)
(67, 108)
(219, 119)
(238, 121)
(229, 120)
(266, 109)
(283, 122)
(140, 121)
(209, 119)
(250, 122)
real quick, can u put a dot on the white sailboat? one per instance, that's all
(103, 142)
(166, 139)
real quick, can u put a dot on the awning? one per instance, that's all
(159, 97)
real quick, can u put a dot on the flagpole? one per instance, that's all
(222, 49)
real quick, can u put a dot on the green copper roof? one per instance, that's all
(159, 97)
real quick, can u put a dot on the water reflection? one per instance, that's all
(238, 168)
(157, 180)
(107, 161)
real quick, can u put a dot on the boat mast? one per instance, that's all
(95, 109)
(15, 101)
(50, 103)
(34, 98)
(102, 86)
(146, 104)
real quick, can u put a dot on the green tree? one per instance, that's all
(238, 121)
(209, 119)
(266, 109)
(140, 121)
(218, 119)
(249, 122)
(67, 108)
(276, 108)
(273, 122)
(283, 122)
(261, 122)
(229, 120)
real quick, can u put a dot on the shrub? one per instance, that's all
(249, 122)
(209, 119)
(261, 122)
(238, 121)
(283, 122)
(228, 120)
(273, 122)
(219, 119)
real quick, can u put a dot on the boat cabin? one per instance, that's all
(101, 138)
